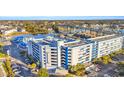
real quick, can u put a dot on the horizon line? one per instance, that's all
(61, 17)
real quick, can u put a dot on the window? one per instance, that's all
(104, 43)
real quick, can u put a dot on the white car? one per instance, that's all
(14, 70)
(17, 72)
(15, 66)
(27, 60)
(24, 67)
(97, 69)
(106, 75)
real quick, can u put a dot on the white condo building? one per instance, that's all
(54, 51)
(58, 52)
(76, 52)
(107, 44)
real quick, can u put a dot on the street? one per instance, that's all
(25, 72)
(16, 58)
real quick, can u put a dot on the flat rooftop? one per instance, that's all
(103, 38)
(52, 43)
(76, 43)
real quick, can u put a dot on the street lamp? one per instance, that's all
(8, 52)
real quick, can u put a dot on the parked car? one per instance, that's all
(25, 68)
(106, 75)
(14, 70)
(17, 72)
(15, 66)
(97, 69)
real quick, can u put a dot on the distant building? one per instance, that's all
(8, 31)
(91, 34)
(20, 29)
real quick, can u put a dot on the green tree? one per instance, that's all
(55, 28)
(69, 75)
(33, 65)
(31, 58)
(1, 47)
(35, 28)
(72, 69)
(78, 70)
(96, 60)
(106, 59)
(8, 68)
(43, 72)
(112, 55)
(80, 73)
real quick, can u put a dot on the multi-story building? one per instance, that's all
(76, 52)
(58, 52)
(105, 45)
(54, 51)
(46, 52)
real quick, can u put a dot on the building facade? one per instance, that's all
(59, 52)
(105, 45)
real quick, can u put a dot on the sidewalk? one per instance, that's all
(2, 71)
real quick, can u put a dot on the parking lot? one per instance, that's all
(103, 70)
(118, 58)
(19, 63)
(21, 71)
(106, 70)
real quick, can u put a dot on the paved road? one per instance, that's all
(20, 60)
(26, 72)
(108, 70)
(15, 54)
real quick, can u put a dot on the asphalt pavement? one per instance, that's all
(19, 60)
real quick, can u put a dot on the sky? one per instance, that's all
(61, 17)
